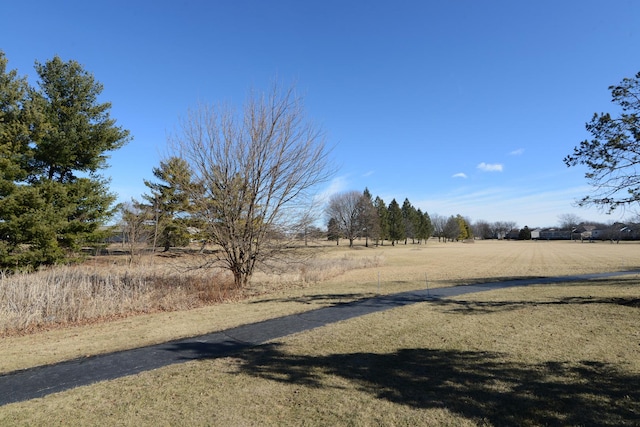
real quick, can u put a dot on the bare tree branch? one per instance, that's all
(254, 175)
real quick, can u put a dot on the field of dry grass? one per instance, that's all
(106, 288)
(562, 354)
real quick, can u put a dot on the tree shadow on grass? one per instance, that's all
(485, 280)
(568, 280)
(333, 299)
(477, 385)
(459, 306)
(462, 306)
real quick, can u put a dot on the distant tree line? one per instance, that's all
(357, 215)
(493, 230)
(354, 215)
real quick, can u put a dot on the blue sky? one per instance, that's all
(463, 107)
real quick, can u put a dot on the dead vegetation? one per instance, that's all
(111, 287)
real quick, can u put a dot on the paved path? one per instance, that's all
(40, 381)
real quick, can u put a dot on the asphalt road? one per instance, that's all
(43, 380)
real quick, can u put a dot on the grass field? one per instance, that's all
(562, 354)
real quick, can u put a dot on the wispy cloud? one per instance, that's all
(460, 175)
(366, 174)
(518, 152)
(527, 205)
(490, 167)
(336, 185)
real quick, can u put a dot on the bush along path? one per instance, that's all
(43, 380)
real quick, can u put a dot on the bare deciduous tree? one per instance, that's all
(439, 223)
(134, 232)
(502, 228)
(253, 176)
(452, 229)
(483, 229)
(348, 209)
(569, 221)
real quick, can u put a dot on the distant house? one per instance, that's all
(586, 232)
(624, 232)
(554, 234)
(616, 232)
(114, 234)
(513, 234)
(535, 234)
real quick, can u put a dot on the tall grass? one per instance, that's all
(91, 292)
(313, 270)
(72, 295)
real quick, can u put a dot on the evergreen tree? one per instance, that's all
(14, 137)
(611, 156)
(464, 229)
(423, 226)
(168, 203)
(383, 220)
(468, 228)
(19, 204)
(53, 142)
(14, 127)
(395, 221)
(333, 230)
(409, 216)
(525, 233)
(76, 131)
(370, 220)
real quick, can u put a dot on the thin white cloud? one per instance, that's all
(490, 167)
(532, 206)
(518, 152)
(460, 175)
(366, 174)
(336, 185)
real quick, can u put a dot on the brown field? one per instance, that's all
(562, 354)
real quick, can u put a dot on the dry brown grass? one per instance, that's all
(460, 263)
(108, 288)
(337, 274)
(550, 354)
(107, 305)
(73, 295)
